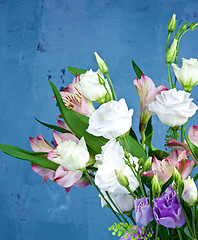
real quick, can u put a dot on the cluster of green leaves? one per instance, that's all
(127, 231)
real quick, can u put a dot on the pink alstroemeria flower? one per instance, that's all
(164, 168)
(193, 137)
(147, 93)
(62, 176)
(66, 178)
(73, 99)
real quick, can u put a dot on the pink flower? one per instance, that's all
(73, 99)
(62, 176)
(147, 93)
(193, 137)
(67, 178)
(164, 168)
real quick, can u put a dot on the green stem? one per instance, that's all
(175, 133)
(194, 219)
(156, 231)
(132, 193)
(169, 75)
(132, 219)
(102, 195)
(111, 86)
(182, 133)
(116, 207)
(179, 233)
(167, 40)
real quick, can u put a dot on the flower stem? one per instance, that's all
(156, 230)
(132, 193)
(102, 195)
(179, 233)
(111, 86)
(169, 75)
(111, 200)
(182, 133)
(132, 219)
(167, 40)
(194, 219)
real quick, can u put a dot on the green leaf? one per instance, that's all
(164, 233)
(193, 148)
(78, 123)
(137, 69)
(132, 134)
(34, 157)
(149, 128)
(169, 182)
(59, 129)
(195, 178)
(76, 71)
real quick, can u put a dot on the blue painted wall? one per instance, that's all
(39, 38)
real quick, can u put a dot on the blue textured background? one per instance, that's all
(40, 38)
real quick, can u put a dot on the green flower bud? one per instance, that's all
(101, 64)
(122, 179)
(192, 26)
(156, 185)
(184, 26)
(171, 53)
(177, 177)
(147, 164)
(172, 24)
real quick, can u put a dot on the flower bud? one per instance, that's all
(192, 26)
(147, 164)
(101, 64)
(177, 177)
(172, 24)
(156, 185)
(189, 193)
(171, 53)
(184, 26)
(122, 179)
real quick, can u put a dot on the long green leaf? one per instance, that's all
(137, 69)
(76, 71)
(59, 129)
(33, 157)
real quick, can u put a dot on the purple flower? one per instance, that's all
(167, 210)
(143, 211)
(138, 232)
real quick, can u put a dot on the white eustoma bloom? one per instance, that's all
(124, 203)
(187, 75)
(111, 159)
(90, 86)
(111, 119)
(173, 107)
(71, 155)
(189, 193)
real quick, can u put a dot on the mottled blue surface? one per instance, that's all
(42, 37)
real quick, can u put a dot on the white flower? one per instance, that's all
(71, 155)
(123, 202)
(189, 193)
(90, 86)
(187, 75)
(173, 107)
(111, 119)
(111, 159)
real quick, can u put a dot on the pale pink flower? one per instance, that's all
(74, 99)
(39, 144)
(44, 172)
(193, 137)
(147, 93)
(164, 168)
(67, 178)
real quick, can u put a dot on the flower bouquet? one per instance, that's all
(149, 190)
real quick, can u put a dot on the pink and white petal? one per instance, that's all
(66, 178)
(87, 107)
(82, 183)
(39, 144)
(172, 143)
(71, 87)
(57, 139)
(193, 135)
(44, 172)
(62, 124)
(68, 136)
(52, 155)
(185, 167)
